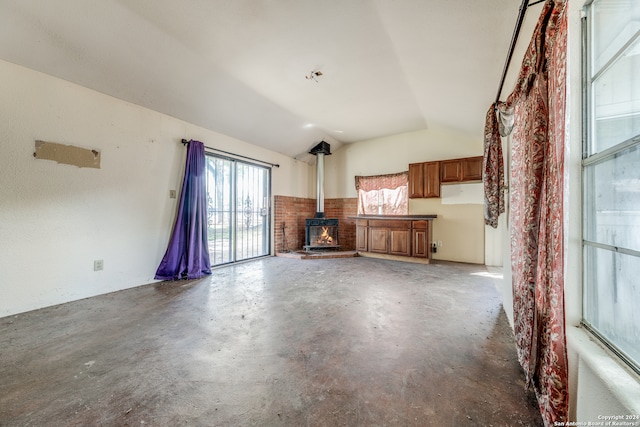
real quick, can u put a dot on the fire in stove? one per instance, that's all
(325, 238)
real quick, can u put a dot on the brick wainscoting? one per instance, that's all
(291, 212)
(341, 209)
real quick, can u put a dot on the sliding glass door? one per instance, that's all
(238, 199)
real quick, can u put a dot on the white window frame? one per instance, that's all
(592, 158)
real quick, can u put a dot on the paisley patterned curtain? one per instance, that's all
(536, 207)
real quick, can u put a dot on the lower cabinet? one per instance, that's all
(394, 237)
(389, 241)
(378, 240)
(400, 242)
(420, 239)
(362, 235)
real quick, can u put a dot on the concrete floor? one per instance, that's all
(277, 341)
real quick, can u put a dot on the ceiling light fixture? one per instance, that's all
(314, 75)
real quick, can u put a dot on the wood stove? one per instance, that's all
(320, 232)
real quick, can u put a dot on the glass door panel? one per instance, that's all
(219, 209)
(238, 196)
(252, 220)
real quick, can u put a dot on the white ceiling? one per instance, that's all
(239, 67)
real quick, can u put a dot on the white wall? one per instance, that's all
(599, 384)
(55, 219)
(460, 224)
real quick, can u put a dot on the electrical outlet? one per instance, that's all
(172, 194)
(98, 265)
(439, 243)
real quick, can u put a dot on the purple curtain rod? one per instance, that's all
(514, 39)
(186, 141)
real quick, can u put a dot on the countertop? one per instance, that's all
(396, 217)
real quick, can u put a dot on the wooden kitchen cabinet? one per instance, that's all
(420, 239)
(432, 179)
(402, 235)
(399, 242)
(451, 170)
(472, 168)
(460, 170)
(378, 240)
(362, 235)
(424, 180)
(390, 241)
(390, 237)
(416, 180)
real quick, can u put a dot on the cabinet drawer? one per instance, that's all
(419, 225)
(390, 223)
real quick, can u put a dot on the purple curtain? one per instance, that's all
(187, 256)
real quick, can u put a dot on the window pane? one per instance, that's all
(617, 100)
(219, 212)
(611, 185)
(613, 26)
(252, 221)
(613, 310)
(612, 196)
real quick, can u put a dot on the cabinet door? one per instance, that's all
(416, 180)
(378, 241)
(451, 170)
(420, 244)
(400, 242)
(432, 179)
(472, 168)
(362, 238)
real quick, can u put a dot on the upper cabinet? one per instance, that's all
(416, 180)
(425, 178)
(451, 170)
(466, 169)
(472, 168)
(432, 179)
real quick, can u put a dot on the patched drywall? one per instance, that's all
(67, 154)
(461, 194)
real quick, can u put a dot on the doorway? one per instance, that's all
(238, 210)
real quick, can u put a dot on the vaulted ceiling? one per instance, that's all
(283, 74)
